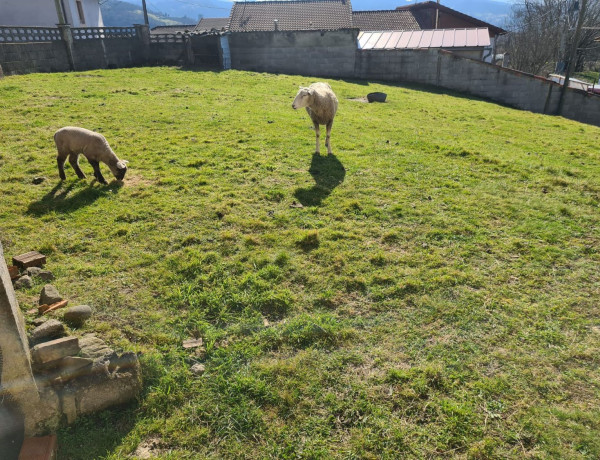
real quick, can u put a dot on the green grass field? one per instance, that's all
(437, 295)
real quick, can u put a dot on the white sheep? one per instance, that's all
(72, 141)
(321, 104)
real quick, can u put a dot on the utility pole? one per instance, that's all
(59, 12)
(145, 13)
(572, 58)
(437, 14)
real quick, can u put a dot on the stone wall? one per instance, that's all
(315, 53)
(36, 49)
(21, 58)
(107, 53)
(447, 70)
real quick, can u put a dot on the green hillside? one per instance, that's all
(429, 291)
(123, 14)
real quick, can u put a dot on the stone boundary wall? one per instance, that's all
(316, 53)
(21, 58)
(506, 86)
(34, 49)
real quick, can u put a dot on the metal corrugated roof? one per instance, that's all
(413, 39)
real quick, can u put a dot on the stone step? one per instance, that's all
(54, 350)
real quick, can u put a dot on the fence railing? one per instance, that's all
(89, 33)
(29, 34)
(166, 38)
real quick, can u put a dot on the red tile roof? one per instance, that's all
(211, 24)
(176, 29)
(419, 10)
(385, 20)
(291, 15)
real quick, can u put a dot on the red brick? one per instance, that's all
(55, 306)
(29, 259)
(43, 448)
(14, 272)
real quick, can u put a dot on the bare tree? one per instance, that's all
(542, 32)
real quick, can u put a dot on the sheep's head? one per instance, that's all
(119, 169)
(302, 98)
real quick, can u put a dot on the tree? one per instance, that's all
(542, 33)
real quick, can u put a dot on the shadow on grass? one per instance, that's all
(95, 436)
(328, 172)
(57, 199)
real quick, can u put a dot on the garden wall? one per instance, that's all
(317, 53)
(38, 49)
(447, 70)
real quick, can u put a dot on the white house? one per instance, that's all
(43, 13)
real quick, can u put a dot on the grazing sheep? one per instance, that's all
(321, 105)
(72, 141)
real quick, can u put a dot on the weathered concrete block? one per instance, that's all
(95, 348)
(53, 350)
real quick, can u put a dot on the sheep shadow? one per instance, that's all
(328, 172)
(58, 199)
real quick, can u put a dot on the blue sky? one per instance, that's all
(494, 11)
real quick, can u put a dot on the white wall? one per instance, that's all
(28, 13)
(91, 13)
(43, 13)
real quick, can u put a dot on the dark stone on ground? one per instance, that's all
(39, 321)
(198, 369)
(49, 295)
(376, 97)
(51, 329)
(37, 272)
(38, 180)
(77, 315)
(24, 282)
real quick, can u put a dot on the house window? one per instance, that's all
(80, 11)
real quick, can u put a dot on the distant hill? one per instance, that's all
(192, 8)
(493, 11)
(120, 13)
(116, 13)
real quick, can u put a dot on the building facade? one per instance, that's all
(43, 13)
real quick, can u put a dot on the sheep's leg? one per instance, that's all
(318, 134)
(60, 160)
(97, 174)
(328, 138)
(74, 161)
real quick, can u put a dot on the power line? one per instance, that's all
(201, 5)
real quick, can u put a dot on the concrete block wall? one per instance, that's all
(315, 53)
(167, 53)
(448, 70)
(20, 58)
(107, 53)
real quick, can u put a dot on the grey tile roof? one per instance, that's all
(179, 28)
(291, 15)
(211, 24)
(385, 20)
